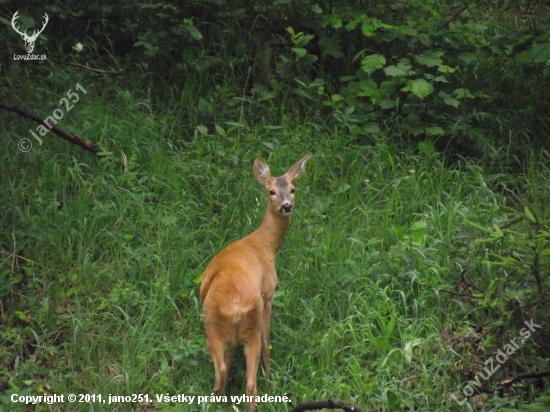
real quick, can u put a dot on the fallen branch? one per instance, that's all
(526, 375)
(84, 67)
(64, 135)
(71, 64)
(457, 294)
(17, 256)
(328, 404)
(452, 18)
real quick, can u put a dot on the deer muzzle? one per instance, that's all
(286, 208)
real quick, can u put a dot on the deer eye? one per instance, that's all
(272, 193)
(291, 190)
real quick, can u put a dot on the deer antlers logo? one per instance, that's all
(29, 40)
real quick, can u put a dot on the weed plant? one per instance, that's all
(383, 277)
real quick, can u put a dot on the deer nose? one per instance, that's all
(286, 208)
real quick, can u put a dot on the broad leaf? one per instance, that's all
(430, 59)
(302, 93)
(420, 87)
(308, 59)
(330, 47)
(202, 129)
(388, 87)
(387, 104)
(352, 25)
(409, 31)
(539, 54)
(219, 130)
(193, 31)
(467, 57)
(299, 51)
(434, 130)
(335, 21)
(367, 28)
(448, 99)
(424, 39)
(445, 69)
(461, 93)
(371, 128)
(368, 86)
(303, 40)
(394, 71)
(373, 62)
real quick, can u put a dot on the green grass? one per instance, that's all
(102, 256)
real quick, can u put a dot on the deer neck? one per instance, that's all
(271, 232)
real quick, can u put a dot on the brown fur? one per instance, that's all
(238, 286)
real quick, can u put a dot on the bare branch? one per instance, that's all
(17, 256)
(84, 67)
(464, 7)
(527, 375)
(328, 404)
(64, 135)
(457, 294)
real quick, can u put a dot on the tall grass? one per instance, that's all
(102, 256)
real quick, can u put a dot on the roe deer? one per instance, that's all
(238, 286)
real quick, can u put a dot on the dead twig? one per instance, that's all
(452, 18)
(383, 259)
(17, 256)
(526, 375)
(64, 135)
(81, 66)
(328, 404)
(457, 294)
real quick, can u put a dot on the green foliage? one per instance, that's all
(521, 241)
(420, 243)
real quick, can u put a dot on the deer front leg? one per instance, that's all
(265, 337)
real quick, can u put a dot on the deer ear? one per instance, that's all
(261, 171)
(296, 170)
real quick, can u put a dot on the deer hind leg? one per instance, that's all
(265, 338)
(215, 343)
(252, 350)
(251, 328)
(229, 354)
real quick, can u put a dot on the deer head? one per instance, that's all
(29, 40)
